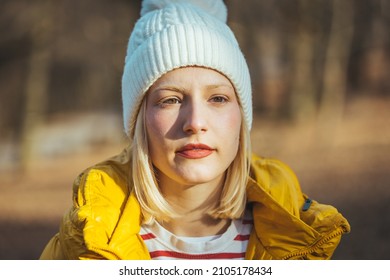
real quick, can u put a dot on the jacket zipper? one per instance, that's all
(318, 244)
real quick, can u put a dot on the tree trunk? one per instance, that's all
(37, 82)
(335, 69)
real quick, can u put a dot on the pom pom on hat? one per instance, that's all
(177, 33)
(216, 8)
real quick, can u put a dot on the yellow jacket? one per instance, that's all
(104, 221)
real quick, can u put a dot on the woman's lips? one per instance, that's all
(195, 151)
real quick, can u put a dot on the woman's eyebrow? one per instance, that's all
(179, 89)
(169, 88)
(220, 86)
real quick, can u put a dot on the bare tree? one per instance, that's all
(336, 64)
(36, 88)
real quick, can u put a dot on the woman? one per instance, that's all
(188, 186)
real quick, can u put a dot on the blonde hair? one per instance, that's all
(152, 202)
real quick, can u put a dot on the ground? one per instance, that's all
(345, 163)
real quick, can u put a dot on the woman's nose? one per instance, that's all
(195, 118)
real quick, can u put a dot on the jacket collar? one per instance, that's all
(279, 231)
(126, 239)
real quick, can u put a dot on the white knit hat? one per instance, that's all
(178, 33)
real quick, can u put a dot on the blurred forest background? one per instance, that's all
(321, 83)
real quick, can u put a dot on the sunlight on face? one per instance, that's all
(193, 122)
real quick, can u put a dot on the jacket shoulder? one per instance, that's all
(99, 198)
(113, 173)
(105, 184)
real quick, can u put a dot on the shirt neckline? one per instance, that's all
(196, 245)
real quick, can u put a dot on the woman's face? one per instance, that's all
(193, 122)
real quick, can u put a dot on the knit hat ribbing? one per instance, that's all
(178, 33)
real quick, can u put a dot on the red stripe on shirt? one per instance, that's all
(172, 254)
(148, 236)
(241, 237)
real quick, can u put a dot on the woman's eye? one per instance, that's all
(170, 101)
(219, 99)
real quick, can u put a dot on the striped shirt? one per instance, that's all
(164, 245)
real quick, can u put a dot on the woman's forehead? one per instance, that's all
(193, 75)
